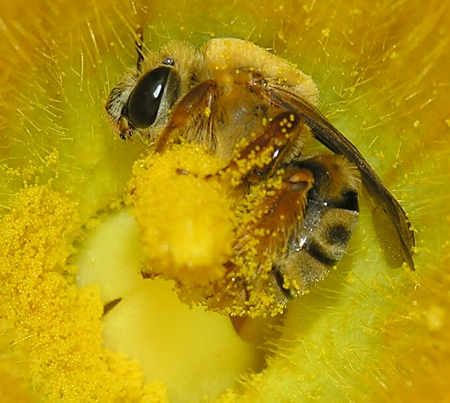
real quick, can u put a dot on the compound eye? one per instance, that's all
(145, 99)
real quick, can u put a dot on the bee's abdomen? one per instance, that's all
(320, 243)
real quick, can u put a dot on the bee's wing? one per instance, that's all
(329, 136)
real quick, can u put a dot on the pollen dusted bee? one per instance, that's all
(256, 111)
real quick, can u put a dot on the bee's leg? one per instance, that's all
(138, 43)
(267, 217)
(283, 138)
(193, 111)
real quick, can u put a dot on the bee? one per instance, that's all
(257, 111)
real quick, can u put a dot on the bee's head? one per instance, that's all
(142, 101)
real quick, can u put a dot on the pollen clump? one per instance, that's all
(201, 229)
(185, 219)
